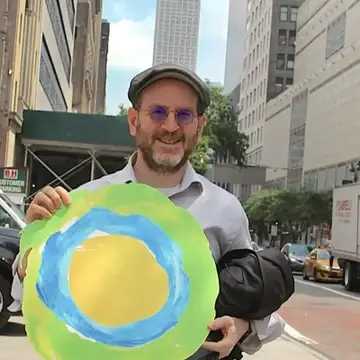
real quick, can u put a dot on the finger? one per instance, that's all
(64, 195)
(36, 212)
(221, 323)
(24, 261)
(225, 345)
(45, 201)
(53, 195)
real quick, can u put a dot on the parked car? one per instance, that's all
(12, 220)
(295, 254)
(317, 266)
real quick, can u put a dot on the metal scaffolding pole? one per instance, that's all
(49, 169)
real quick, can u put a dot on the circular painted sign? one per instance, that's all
(122, 273)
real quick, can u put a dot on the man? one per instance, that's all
(167, 119)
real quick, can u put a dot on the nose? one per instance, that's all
(170, 124)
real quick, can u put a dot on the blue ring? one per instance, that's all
(54, 290)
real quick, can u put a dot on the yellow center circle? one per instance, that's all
(115, 280)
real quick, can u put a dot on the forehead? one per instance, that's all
(170, 92)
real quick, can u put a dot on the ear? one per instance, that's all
(132, 120)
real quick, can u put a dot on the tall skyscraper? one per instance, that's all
(268, 66)
(235, 45)
(177, 32)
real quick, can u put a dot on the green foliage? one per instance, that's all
(289, 206)
(222, 128)
(199, 158)
(123, 110)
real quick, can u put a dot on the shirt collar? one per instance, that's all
(191, 178)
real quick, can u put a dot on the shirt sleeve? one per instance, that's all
(17, 288)
(238, 236)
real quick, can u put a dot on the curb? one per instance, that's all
(292, 335)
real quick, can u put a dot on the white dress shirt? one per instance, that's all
(223, 220)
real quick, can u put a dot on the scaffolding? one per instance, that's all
(92, 153)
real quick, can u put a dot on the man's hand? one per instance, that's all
(233, 329)
(21, 270)
(46, 202)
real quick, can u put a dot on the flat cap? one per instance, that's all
(169, 71)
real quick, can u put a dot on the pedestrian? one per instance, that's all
(331, 258)
(167, 120)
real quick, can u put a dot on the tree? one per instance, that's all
(123, 110)
(222, 128)
(200, 158)
(293, 211)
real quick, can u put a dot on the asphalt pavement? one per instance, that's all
(325, 317)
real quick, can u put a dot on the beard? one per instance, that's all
(168, 164)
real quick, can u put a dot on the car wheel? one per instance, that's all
(304, 276)
(5, 300)
(316, 277)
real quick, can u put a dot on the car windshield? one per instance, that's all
(324, 255)
(300, 250)
(13, 207)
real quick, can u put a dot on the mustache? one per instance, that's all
(170, 136)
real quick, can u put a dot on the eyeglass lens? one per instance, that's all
(160, 113)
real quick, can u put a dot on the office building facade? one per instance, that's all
(85, 67)
(177, 32)
(54, 90)
(268, 65)
(102, 72)
(21, 26)
(312, 130)
(235, 45)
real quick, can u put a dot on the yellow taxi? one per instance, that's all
(317, 266)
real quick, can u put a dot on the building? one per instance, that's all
(312, 129)
(87, 45)
(20, 29)
(177, 32)
(54, 90)
(102, 72)
(235, 45)
(268, 65)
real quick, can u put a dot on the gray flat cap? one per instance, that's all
(169, 71)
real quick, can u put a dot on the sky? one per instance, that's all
(132, 24)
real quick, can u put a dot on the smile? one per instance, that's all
(169, 142)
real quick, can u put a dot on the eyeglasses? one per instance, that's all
(159, 113)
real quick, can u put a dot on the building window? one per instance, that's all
(289, 82)
(59, 32)
(279, 85)
(282, 37)
(49, 80)
(280, 61)
(335, 35)
(292, 37)
(293, 13)
(290, 62)
(284, 12)
(71, 12)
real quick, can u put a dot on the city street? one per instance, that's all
(327, 317)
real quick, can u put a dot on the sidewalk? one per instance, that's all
(285, 348)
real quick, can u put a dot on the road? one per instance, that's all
(14, 344)
(328, 316)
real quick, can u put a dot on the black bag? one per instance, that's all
(253, 285)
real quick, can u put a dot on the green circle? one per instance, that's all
(52, 338)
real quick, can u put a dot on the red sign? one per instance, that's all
(343, 208)
(11, 173)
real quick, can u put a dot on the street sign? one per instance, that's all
(13, 180)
